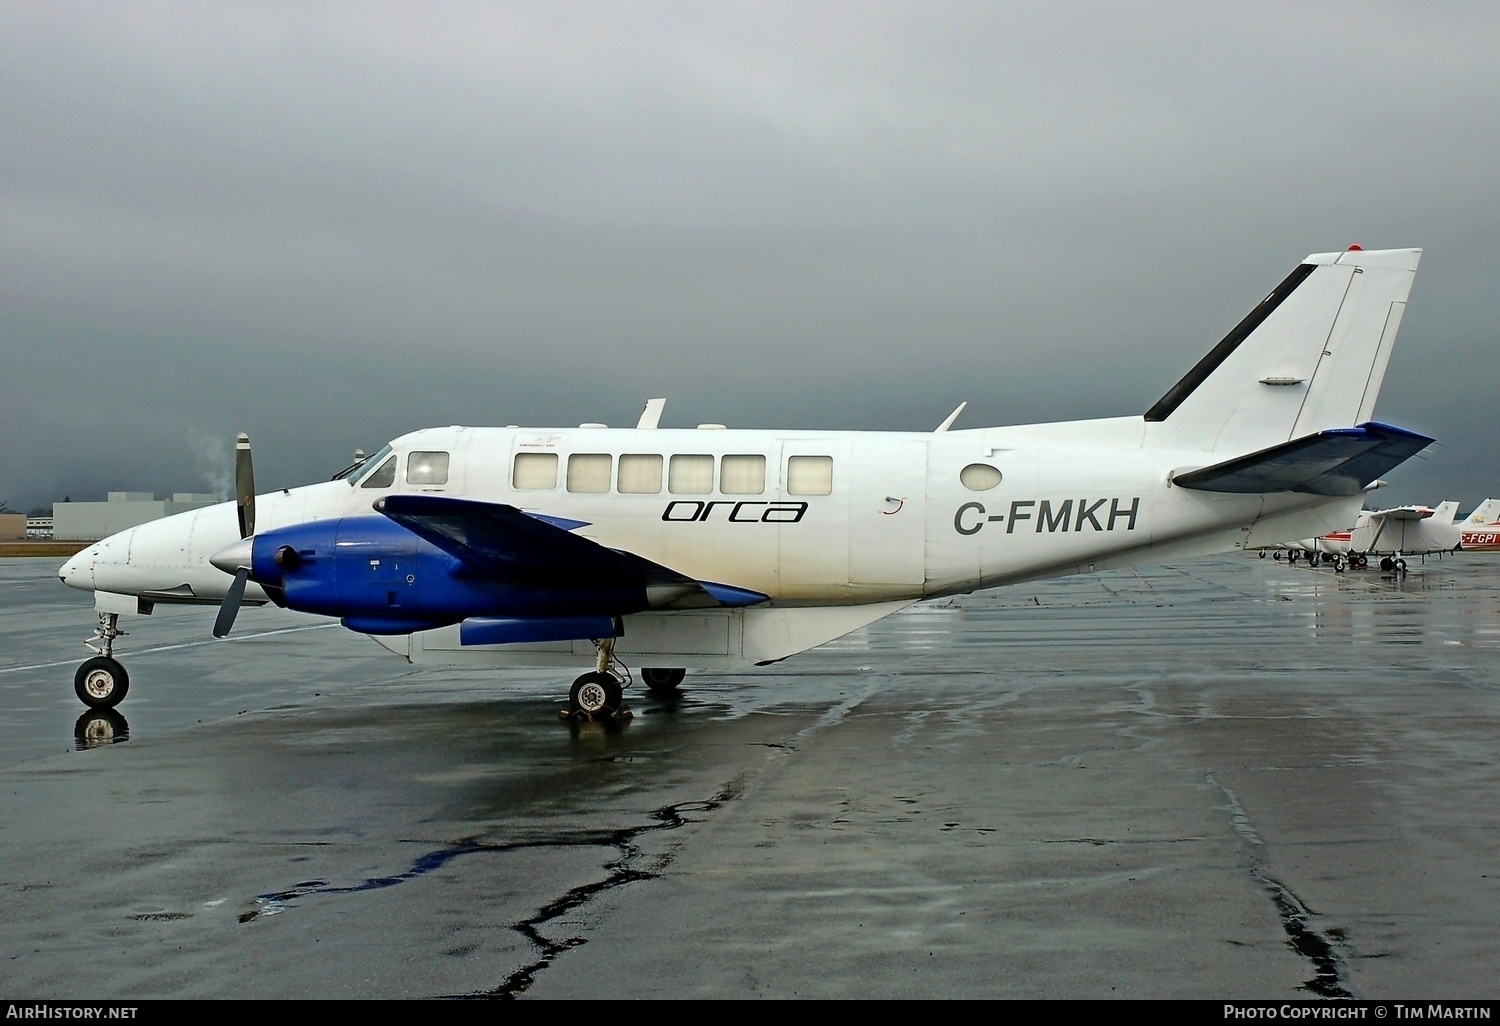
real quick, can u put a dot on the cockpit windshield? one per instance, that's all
(354, 471)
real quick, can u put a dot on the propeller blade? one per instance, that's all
(231, 607)
(244, 486)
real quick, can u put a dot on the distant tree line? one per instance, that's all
(38, 511)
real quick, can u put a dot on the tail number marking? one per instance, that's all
(1051, 517)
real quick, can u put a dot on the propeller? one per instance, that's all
(231, 605)
(244, 485)
(238, 554)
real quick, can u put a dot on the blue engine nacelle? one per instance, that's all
(380, 578)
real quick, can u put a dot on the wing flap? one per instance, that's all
(1340, 461)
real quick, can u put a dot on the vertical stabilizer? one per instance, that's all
(1444, 513)
(1487, 512)
(1310, 356)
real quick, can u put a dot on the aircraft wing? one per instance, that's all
(500, 541)
(1402, 513)
(1340, 461)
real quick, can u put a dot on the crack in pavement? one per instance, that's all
(1296, 917)
(619, 872)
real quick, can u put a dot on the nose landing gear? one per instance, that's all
(101, 682)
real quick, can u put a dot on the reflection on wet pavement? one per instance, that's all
(1231, 777)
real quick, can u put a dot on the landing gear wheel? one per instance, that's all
(1338, 564)
(663, 683)
(596, 695)
(1400, 566)
(101, 683)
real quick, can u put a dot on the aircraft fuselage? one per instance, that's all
(806, 518)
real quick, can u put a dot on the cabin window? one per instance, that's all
(427, 468)
(384, 476)
(742, 475)
(809, 475)
(979, 477)
(534, 471)
(640, 473)
(691, 474)
(589, 471)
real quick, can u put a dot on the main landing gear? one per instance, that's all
(601, 695)
(663, 683)
(101, 682)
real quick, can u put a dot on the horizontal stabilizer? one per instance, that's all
(499, 541)
(1340, 461)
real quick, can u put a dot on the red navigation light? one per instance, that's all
(1356, 248)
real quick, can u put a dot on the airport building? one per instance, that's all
(12, 526)
(90, 521)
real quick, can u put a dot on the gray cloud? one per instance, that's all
(327, 224)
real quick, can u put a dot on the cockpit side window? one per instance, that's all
(383, 477)
(355, 471)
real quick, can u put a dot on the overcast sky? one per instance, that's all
(327, 224)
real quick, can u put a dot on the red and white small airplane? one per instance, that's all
(1480, 530)
(491, 547)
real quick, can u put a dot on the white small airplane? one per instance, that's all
(1392, 534)
(1480, 530)
(712, 548)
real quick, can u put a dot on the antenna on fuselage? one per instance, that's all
(651, 415)
(945, 425)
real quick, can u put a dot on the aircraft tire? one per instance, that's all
(1400, 566)
(596, 694)
(663, 682)
(101, 683)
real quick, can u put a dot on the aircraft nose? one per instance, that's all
(78, 572)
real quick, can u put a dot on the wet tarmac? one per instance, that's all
(1226, 779)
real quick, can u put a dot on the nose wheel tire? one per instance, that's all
(596, 695)
(101, 683)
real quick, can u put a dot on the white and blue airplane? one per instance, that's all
(715, 548)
